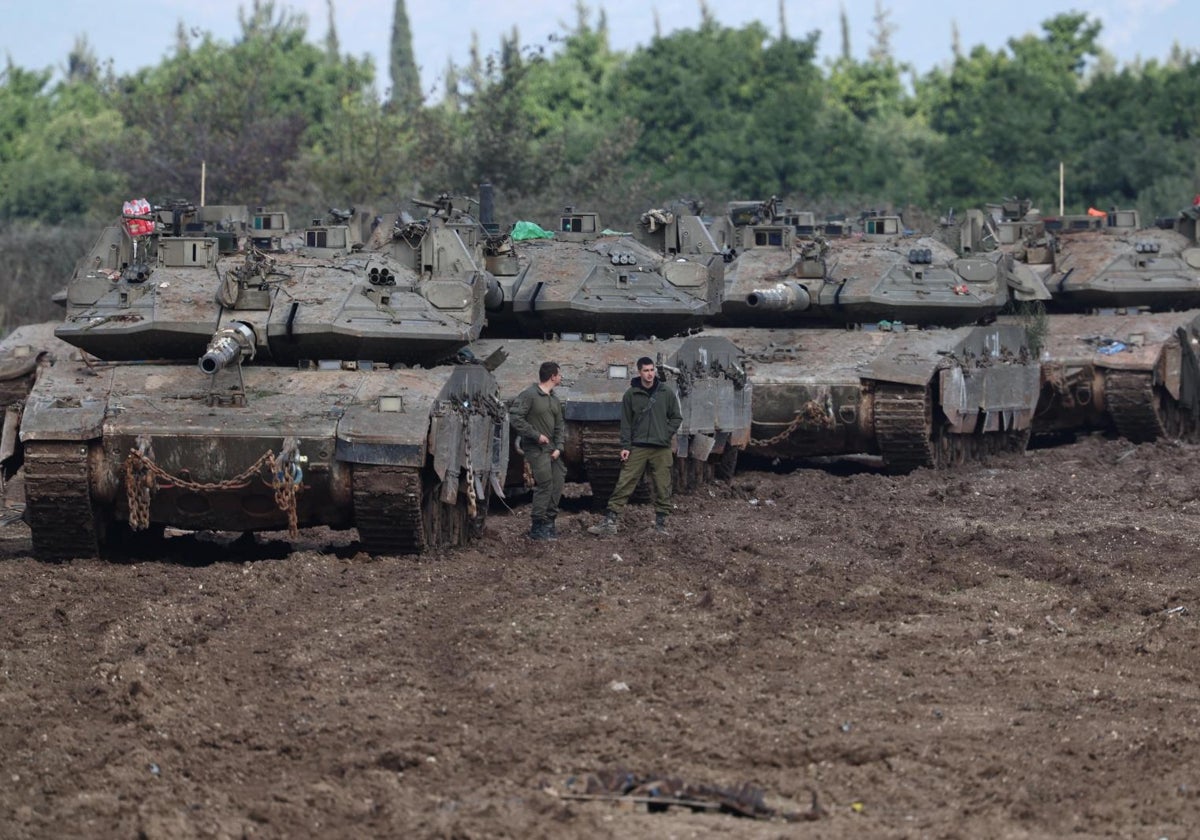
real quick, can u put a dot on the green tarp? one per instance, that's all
(529, 230)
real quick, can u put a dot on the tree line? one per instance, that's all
(711, 114)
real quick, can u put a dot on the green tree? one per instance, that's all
(367, 155)
(245, 110)
(57, 146)
(538, 125)
(723, 110)
(1007, 116)
(406, 80)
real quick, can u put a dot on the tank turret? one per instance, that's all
(787, 270)
(1109, 259)
(579, 276)
(308, 296)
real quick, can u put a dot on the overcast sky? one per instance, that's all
(142, 33)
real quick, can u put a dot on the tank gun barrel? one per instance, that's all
(229, 345)
(782, 297)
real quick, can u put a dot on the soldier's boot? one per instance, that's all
(551, 531)
(660, 524)
(606, 528)
(538, 531)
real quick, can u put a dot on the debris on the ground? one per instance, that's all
(661, 793)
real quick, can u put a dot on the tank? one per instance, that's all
(235, 388)
(863, 338)
(596, 300)
(1118, 340)
(660, 279)
(715, 399)
(785, 269)
(914, 397)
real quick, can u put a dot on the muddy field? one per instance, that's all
(1008, 651)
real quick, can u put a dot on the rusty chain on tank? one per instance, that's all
(472, 500)
(142, 475)
(285, 479)
(774, 439)
(811, 412)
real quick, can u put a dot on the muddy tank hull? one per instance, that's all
(715, 398)
(917, 398)
(405, 456)
(1134, 374)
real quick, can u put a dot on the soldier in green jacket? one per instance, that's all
(650, 417)
(537, 419)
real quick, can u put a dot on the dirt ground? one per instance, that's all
(1006, 651)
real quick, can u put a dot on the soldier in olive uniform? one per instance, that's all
(537, 419)
(650, 417)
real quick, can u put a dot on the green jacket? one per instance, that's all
(649, 417)
(535, 413)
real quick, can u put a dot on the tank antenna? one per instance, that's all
(1060, 188)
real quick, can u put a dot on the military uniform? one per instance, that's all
(650, 417)
(535, 413)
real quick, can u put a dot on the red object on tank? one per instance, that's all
(135, 226)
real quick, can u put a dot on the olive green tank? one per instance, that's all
(300, 296)
(265, 381)
(1118, 341)
(595, 301)
(864, 338)
(1100, 260)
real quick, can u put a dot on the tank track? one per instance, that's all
(602, 464)
(398, 510)
(58, 502)
(904, 426)
(907, 440)
(1133, 405)
(387, 509)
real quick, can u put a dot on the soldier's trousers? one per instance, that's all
(657, 460)
(549, 474)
